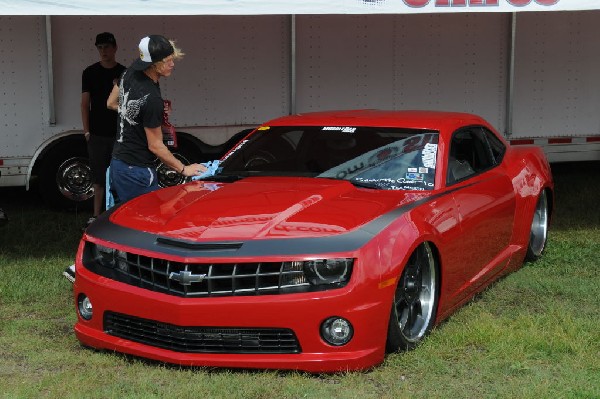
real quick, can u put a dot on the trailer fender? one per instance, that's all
(61, 164)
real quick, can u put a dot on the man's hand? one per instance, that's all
(194, 169)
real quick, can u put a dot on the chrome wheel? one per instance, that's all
(167, 177)
(74, 179)
(415, 301)
(539, 228)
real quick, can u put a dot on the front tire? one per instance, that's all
(415, 301)
(539, 229)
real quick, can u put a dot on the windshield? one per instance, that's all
(384, 158)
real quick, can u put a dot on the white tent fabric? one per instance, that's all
(262, 7)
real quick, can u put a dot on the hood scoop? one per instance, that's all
(195, 246)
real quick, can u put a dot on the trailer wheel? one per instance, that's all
(167, 177)
(188, 151)
(65, 177)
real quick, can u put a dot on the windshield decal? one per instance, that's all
(414, 177)
(429, 155)
(230, 153)
(402, 183)
(346, 129)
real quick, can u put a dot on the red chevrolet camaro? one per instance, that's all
(321, 242)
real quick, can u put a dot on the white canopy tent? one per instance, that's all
(282, 7)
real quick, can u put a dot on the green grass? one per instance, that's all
(533, 334)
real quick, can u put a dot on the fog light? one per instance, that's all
(84, 305)
(336, 331)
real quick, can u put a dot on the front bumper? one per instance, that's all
(366, 306)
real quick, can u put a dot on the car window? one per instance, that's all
(496, 145)
(404, 164)
(376, 157)
(470, 153)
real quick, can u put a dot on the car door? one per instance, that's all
(485, 200)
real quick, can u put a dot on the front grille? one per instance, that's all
(207, 279)
(195, 280)
(201, 339)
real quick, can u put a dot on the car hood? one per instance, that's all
(258, 207)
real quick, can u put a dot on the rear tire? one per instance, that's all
(539, 229)
(415, 301)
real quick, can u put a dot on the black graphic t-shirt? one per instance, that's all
(140, 106)
(99, 82)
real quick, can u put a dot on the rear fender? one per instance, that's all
(531, 174)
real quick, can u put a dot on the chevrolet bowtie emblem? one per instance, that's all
(187, 278)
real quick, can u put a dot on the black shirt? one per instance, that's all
(99, 82)
(140, 106)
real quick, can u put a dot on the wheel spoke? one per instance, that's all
(418, 262)
(412, 316)
(425, 291)
(401, 306)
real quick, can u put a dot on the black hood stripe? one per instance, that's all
(104, 229)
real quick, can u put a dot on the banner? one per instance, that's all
(286, 7)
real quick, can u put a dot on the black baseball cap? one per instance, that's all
(153, 48)
(105, 38)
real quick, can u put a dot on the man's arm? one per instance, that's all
(85, 113)
(113, 99)
(158, 148)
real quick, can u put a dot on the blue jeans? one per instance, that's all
(129, 181)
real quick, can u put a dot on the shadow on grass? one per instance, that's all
(329, 377)
(34, 230)
(577, 195)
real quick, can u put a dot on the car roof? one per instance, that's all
(437, 120)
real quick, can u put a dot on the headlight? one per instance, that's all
(110, 257)
(328, 271)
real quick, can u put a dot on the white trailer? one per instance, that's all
(531, 74)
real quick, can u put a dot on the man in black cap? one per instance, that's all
(100, 123)
(139, 136)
